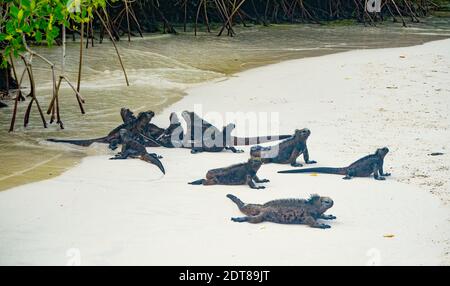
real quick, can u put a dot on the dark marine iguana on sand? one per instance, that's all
(135, 125)
(239, 174)
(364, 167)
(287, 151)
(202, 136)
(170, 137)
(133, 149)
(156, 135)
(286, 211)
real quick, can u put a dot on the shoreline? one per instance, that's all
(372, 97)
(293, 43)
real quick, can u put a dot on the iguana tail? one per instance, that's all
(237, 201)
(324, 170)
(197, 182)
(83, 142)
(246, 141)
(153, 160)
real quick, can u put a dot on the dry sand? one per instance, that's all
(126, 212)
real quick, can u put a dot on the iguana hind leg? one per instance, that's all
(234, 150)
(250, 219)
(197, 182)
(251, 209)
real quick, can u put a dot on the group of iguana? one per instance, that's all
(136, 133)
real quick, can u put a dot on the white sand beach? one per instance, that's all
(127, 213)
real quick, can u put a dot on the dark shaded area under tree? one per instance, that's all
(7, 82)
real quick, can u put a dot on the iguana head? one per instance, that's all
(254, 163)
(174, 118)
(322, 204)
(192, 119)
(382, 152)
(146, 115)
(126, 114)
(174, 123)
(188, 116)
(302, 134)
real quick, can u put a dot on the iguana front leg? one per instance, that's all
(113, 144)
(251, 184)
(293, 158)
(314, 223)
(306, 157)
(234, 150)
(122, 155)
(258, 180)
(327, 217)
(382, 173)
(376, 176)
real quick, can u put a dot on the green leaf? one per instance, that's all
(38, 36)
(10, 27)
(14, 11)
(26, 28)
(25, 3)
(20, 15)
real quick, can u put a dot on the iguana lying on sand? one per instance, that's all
(287, 211)
(201, 136)
(135, 125)
(287, 151)
(239, 174)
(133, 149)
(364, 167)
(170, 137)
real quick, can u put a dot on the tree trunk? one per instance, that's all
(7, 81)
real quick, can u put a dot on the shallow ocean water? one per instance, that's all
(160, 68)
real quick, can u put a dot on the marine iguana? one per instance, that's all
(364, 167)
(127, 115)
(135, 125)
(172, 136)
(203, 136)
(286, 211)
(133, 149)
(287, 151)
(239, 174)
